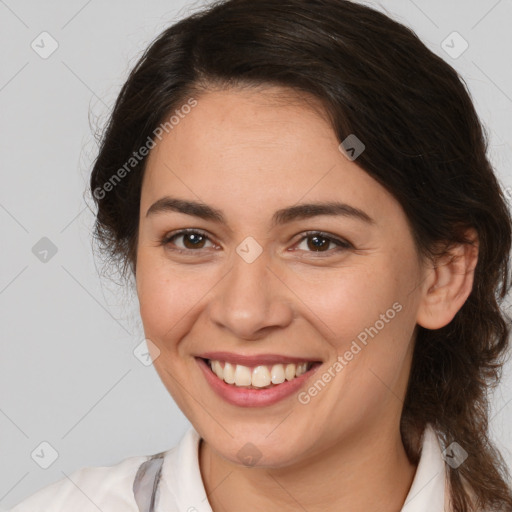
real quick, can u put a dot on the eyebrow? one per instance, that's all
(282, 216)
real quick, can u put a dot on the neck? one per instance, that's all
(366, 471)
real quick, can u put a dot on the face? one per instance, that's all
(260, 283)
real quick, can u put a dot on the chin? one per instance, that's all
(254, 447)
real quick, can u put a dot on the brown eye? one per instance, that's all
(318, 243)
(321, 242)
(191, 240)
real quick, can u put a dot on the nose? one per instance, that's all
(251, 300)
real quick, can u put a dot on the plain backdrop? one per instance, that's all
(68, 375)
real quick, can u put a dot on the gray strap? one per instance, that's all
(146, 482)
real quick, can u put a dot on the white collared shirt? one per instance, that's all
(181, 489)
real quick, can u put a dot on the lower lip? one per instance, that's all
(246, 397)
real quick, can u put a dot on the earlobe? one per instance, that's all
(448, 284)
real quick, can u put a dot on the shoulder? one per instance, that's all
(105, 488)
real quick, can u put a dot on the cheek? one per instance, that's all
(372, 326)
(157, 292)
(366, 313)
(169, 296)
(344, 302)
(376, 324)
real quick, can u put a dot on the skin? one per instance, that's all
(250, 153)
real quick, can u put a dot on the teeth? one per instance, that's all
(301, 368)
(289, 371)
(229, 373)
(217, 369)
(260, 376)
(242, 376)
(277, 374)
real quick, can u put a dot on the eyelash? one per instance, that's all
(339, 242)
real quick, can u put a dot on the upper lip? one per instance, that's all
(254, 360)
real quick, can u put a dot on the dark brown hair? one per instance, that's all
(424, 144)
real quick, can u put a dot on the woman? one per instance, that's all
(320, 248)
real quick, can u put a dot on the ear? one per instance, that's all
(448, 283)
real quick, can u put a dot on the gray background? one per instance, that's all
(68, 375)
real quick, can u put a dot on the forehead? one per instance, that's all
(238, 123)
(245, 148)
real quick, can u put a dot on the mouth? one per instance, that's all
(260, 376)
(255, 381)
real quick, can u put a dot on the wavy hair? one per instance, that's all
(424, 144)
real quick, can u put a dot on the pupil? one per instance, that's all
(194, 239)
(321, 244)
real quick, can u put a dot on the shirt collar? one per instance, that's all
(427, 492)
(181, 486)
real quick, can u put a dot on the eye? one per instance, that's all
(317, 241)
(195, 240)
(192, 239)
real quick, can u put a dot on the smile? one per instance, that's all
(257, 380)
(260, 376)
